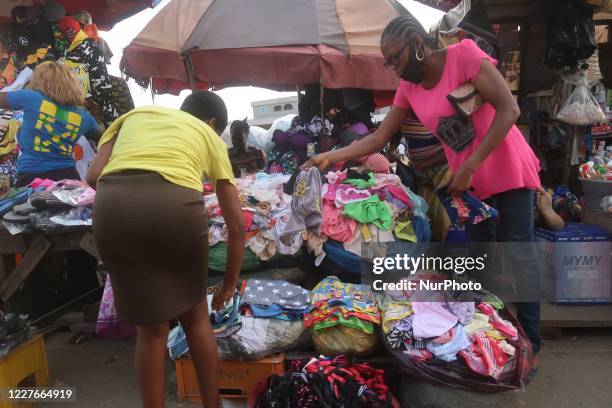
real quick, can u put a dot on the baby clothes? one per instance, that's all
(337, 226)
(306, 204)
(372, 211)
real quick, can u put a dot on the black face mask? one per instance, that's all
(414, 70)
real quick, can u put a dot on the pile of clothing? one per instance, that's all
(274, 300)
(441, 325)
(265, 208)
(343, 318)
(263, 318)
(47, 206)
(326, 382)
(360, 205)
(355, 206)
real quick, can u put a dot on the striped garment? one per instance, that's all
(421, 143)
(485, 356)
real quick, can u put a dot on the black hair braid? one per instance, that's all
(405, 26)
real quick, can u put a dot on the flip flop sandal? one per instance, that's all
(15, 218)
(25, 208)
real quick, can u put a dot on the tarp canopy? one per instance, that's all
(105, 13)
(270, 43)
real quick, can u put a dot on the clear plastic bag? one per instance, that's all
(581, 107)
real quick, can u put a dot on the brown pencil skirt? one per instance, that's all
(152, 236)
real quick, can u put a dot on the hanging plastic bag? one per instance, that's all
(108, 325)
(581, 107)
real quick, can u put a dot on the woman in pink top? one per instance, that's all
(486, 153)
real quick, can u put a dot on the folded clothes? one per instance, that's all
(267, 293)
(273, 312)
(353, 296)
(350, 321)
(16, 197)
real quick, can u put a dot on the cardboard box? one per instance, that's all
(576, 264)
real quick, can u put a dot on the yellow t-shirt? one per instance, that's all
(181, 148)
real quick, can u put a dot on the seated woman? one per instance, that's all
(53, 121)
(545, 215)
(242, 156)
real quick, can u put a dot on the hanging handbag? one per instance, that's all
(465, 99)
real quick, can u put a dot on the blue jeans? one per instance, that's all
(516, 208)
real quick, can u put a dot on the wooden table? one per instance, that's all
(34, 247)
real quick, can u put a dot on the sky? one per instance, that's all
(237, 99)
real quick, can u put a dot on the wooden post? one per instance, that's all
(31, 258)
(87, 243)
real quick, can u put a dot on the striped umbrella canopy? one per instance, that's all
(105, 13)
(276, 44)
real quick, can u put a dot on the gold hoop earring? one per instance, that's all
(421, 57)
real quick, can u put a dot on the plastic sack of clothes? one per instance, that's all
(344, 340)
(416, 394)
(581, 107)
(256, 339)
(108, 325)
(217, 258)
(343, 318)
(481, 365)
(259, 338)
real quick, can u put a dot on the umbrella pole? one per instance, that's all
(190, 74)
(321, 96)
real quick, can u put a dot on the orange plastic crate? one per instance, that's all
(236, 378)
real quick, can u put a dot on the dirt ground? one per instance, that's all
(575, 371)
